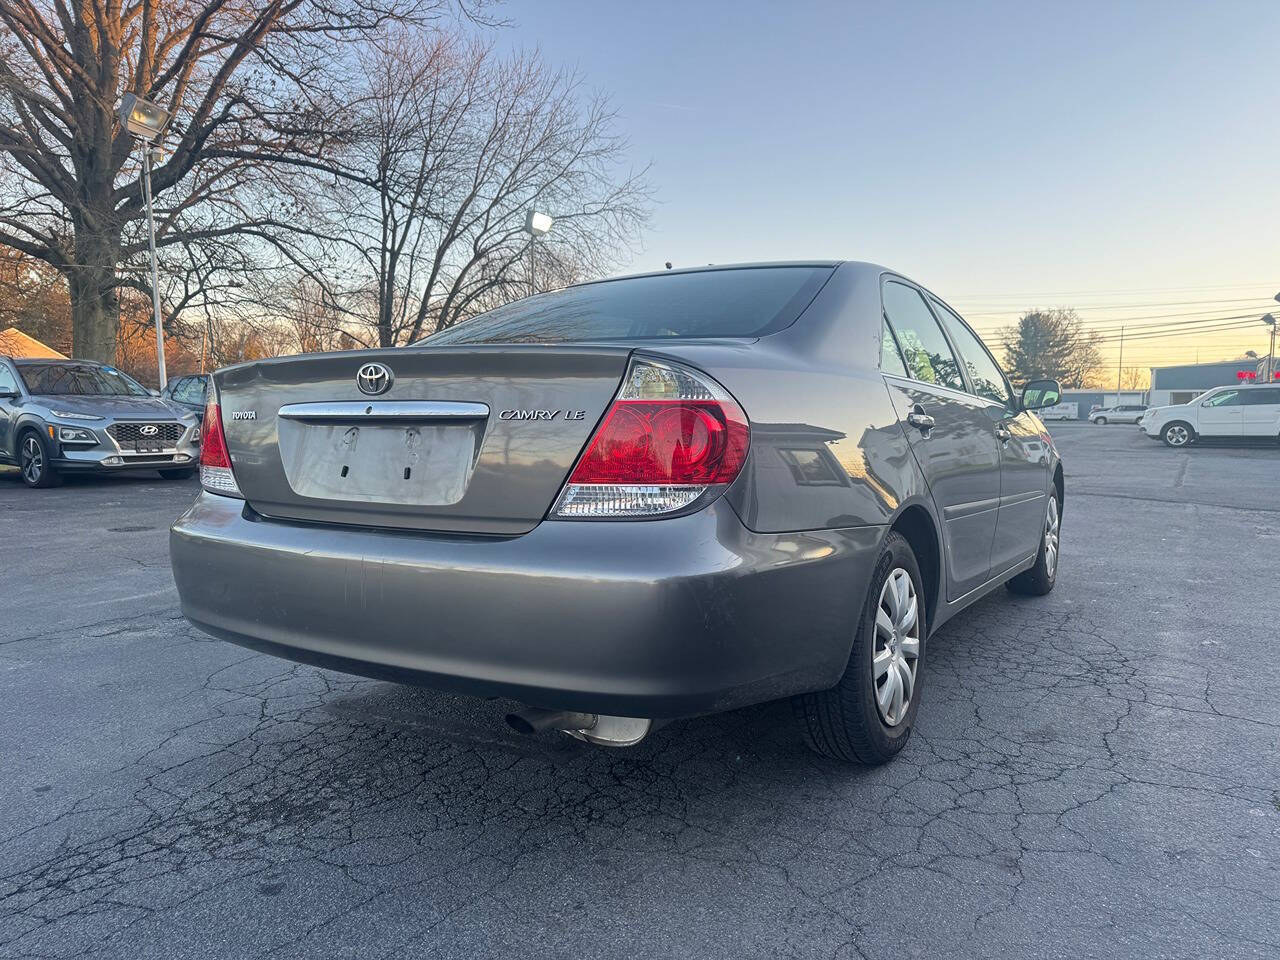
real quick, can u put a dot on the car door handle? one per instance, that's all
(919, 419)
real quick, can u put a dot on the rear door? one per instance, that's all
(951, 435)
(8, 383)
(1024, 451)
(1221, 415)
(1261, 412)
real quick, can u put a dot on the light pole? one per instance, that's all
(536, 225)
(146, 121)
(1270, 321)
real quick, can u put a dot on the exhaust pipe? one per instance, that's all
(594, 728)
(533, 720)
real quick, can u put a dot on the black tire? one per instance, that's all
(35, 460)
(1040, 579)
(845, 722)
(1173, 438)
(186, 473)
(1101, 421)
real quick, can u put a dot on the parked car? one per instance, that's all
(1247, 411)
(631, 500)
(64, 416)
(1123, 413)
(188, 392)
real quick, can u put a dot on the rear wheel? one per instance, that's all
(868, 716)
(1177, 434)
(1039, 580)
(34, 461)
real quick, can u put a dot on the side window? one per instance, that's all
(984, 373)
(924, 348)
(890, 358)
(1228, 398)
(7, 380)
(1266, 396)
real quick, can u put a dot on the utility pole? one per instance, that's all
(1120, 368)
(1270, 321)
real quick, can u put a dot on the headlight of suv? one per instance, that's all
(77, 435)
(61, 414)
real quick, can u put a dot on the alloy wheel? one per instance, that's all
(897, 646)
(1051, 526)
(1177, 435)
(32, 460)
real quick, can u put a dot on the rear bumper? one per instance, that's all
(663, 618)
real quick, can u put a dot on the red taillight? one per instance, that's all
(671, 438)
(666, 442)
(213, 443)
(215, 461)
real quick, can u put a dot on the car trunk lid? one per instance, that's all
(474, 439)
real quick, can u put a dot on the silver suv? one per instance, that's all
(1124, 413)
(64, 416)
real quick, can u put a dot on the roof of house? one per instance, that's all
(15, 343)
(1199, 376)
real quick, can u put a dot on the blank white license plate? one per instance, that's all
(421, 463)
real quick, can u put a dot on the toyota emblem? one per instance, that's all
(148, 430)
(374, 378)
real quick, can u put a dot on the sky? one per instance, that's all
(1119, 158)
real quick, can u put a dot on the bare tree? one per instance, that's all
(452, 146)
(249, 86)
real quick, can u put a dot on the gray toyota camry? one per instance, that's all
(77, 416)
(633, 500)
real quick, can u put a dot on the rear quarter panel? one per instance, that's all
(827, 450)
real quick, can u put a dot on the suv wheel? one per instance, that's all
(34, 461)
(868, 716)
(1039, 579)
(1101, 420)
(1177, 434)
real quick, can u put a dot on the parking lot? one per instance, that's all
(1095, 773)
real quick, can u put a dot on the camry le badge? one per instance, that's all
(374, 378)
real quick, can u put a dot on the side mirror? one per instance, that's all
(153, 392)
(1039, 394)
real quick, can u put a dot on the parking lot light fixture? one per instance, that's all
(536, 225)
(142, 118)
(146, 121)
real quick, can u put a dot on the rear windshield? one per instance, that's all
(77, 379)
(739, 302)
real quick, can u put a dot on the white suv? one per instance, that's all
(1244, 411)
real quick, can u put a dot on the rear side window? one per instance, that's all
(1264, 396)
(745, 302)
(924, 348)
(890, 357)
(984, 373)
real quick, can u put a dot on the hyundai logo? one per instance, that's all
(148, 429)
(374, 378)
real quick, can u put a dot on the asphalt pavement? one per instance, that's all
(1095, 773)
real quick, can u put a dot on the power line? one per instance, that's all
(1106, 324)
(1262, 301)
